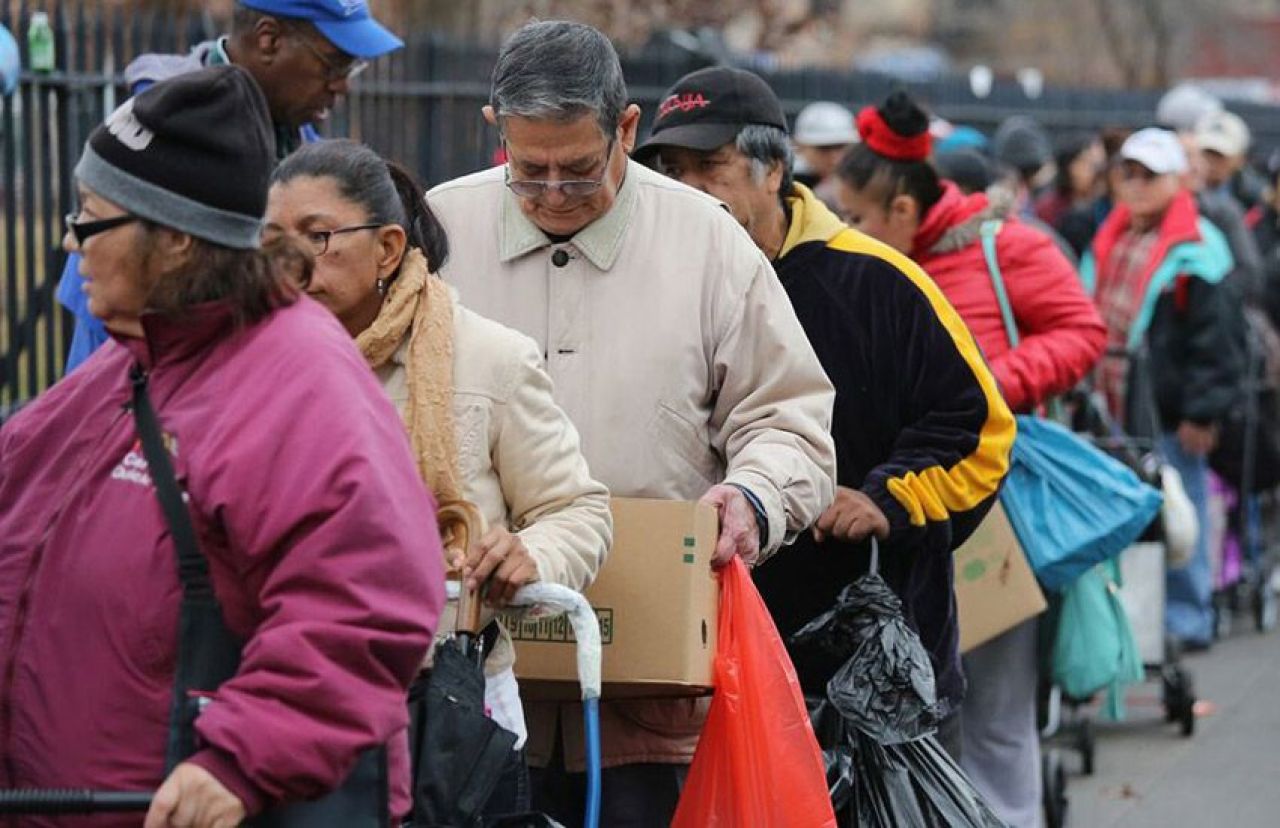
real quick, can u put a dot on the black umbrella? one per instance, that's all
(459, 754)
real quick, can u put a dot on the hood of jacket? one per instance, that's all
(955, 222)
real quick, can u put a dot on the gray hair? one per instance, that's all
(559, 71)
(763, 145)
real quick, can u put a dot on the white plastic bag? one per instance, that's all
(1178, 517)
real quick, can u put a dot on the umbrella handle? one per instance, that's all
(72, 801)
(461, 524)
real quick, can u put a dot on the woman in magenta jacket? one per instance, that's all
(319, 535)
(889, 189)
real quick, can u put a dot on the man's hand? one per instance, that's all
(852, 517)
(739, 534)
(502, 559)
(1197, 440)
(193, 798)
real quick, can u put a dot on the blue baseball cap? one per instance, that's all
(346, 24)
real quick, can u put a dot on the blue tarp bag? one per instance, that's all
(1071, 505)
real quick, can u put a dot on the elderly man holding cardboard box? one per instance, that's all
(672, 346)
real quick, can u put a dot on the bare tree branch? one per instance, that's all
(1156, 14)
(1119, 45)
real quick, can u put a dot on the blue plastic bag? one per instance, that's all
(1071, 505)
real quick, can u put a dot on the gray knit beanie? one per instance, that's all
(193, 153)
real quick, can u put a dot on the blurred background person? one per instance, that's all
(1156, 271)
(1021, 147)
(823, 133)
(1184, 106)
(1225, 140)
(968, 169)
(1073, 207)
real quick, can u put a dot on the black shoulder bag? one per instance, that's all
(209, 654)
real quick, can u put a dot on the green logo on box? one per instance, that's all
(975, 569)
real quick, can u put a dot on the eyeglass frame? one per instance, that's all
(543, 186)
(328, 235)
(82, 231)
(332, 72)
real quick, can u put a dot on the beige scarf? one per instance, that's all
(419, 303)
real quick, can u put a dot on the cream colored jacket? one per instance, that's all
(519, 458)
(671, 343)
(677, 354)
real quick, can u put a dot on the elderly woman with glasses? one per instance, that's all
(293, 517)
(473, 395)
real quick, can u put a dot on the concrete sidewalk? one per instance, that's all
(1227, 775)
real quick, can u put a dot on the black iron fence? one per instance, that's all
(420, 106)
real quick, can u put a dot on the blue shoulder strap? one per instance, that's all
(990, 230)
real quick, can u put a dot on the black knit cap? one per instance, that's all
(194, 153)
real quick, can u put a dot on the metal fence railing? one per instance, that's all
(420, 106)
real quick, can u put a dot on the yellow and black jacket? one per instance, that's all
(919, 427)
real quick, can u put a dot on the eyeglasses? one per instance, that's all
(530, 188)
(335, 69)
(318, 240)
(85, 230)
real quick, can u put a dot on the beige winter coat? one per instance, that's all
(675, 351)
(519, 457)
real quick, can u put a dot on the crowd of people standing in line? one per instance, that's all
(588, 318)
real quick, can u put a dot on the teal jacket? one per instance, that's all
(1187, 317)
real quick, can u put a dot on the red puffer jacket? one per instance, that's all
(1062, 334)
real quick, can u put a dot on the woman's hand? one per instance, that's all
(501, 559)
(193, 798)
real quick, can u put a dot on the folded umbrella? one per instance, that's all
(459, 754)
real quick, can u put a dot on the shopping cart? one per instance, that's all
(1142, 566)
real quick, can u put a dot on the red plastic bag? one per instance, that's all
(757, 762)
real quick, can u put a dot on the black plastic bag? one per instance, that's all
(876, 723)
(881, 678)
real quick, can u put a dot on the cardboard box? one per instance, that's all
(995, 588)
(657, 600)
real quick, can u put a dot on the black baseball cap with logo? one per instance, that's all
(707, 109)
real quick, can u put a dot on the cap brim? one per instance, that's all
(701, 137)
(1220, 144)
(1159, 166)
(365, 38)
